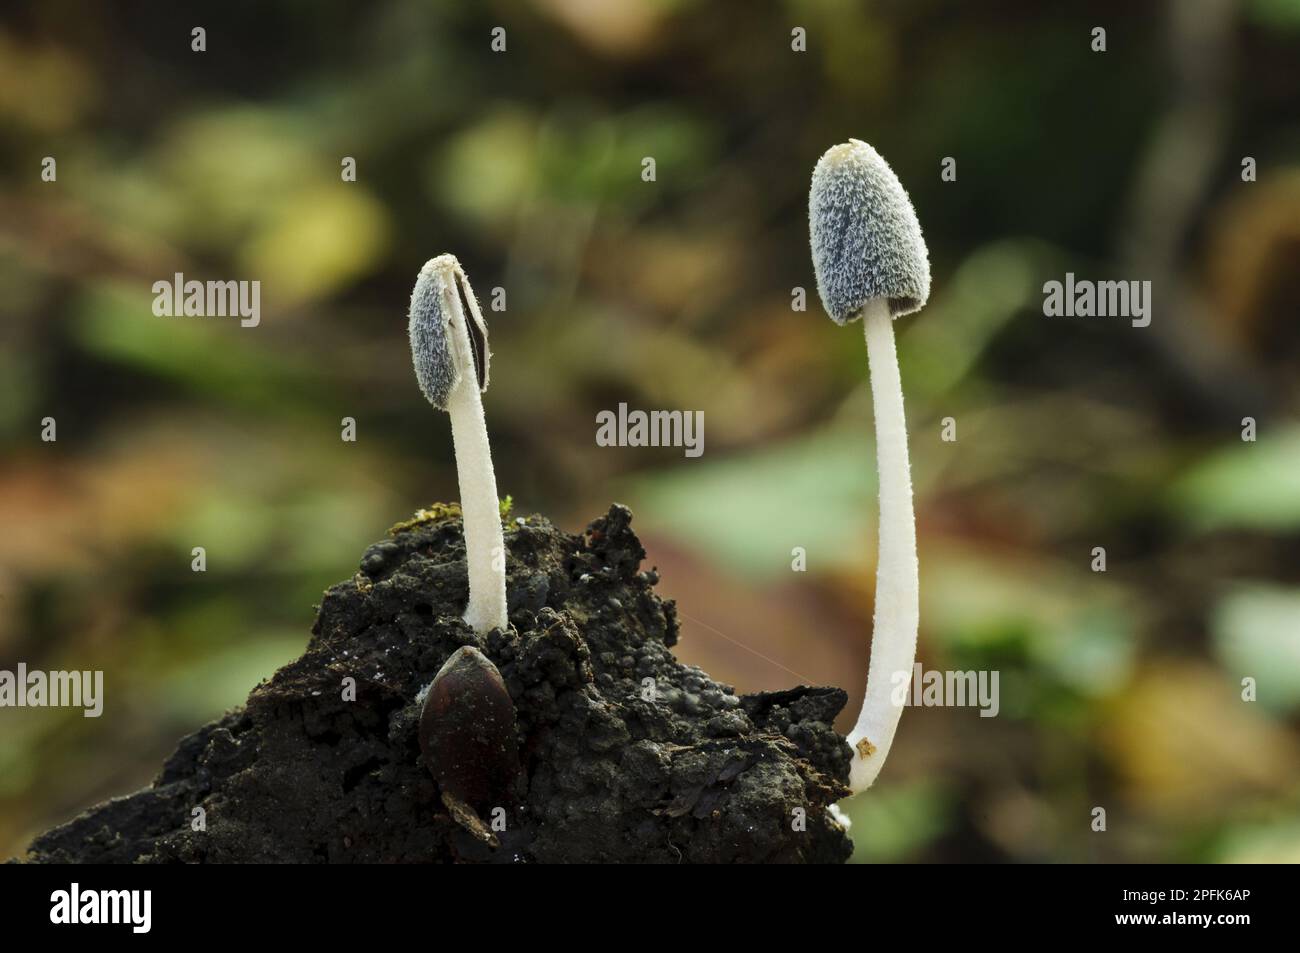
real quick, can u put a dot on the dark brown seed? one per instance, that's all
(467, 732)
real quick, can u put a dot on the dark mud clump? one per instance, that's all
(625, 754)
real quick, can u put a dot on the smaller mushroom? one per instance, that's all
(449, 348)
(871, 263)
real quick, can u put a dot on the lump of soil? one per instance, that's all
(625, 754)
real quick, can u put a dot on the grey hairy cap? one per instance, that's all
(442, 280)
(866, 241)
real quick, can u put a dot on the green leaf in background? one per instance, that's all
(1245, 486)
(1256, 633)
(983, 606)
(1092, 651)
(1280, 15)
(1276, 843)
(897, 821)
(749, 512)
(510, 159)
(316, 241)
(17, 394)
(486, 172)
(208, 355)
(985, 292)
(212, 684)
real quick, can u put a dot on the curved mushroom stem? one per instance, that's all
(893, 639)
(480, 508)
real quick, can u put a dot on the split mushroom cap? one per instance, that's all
(866, 241)
(433, 345)
(449, 349)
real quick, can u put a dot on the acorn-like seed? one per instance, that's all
(467, 732)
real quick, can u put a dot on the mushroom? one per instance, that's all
(449, 348)
(871, 263)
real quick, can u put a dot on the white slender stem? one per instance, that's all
(480, 508)
(893, 639)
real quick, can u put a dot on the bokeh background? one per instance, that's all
(1120, 690)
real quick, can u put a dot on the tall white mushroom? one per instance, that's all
(871, 263)
(449, 348)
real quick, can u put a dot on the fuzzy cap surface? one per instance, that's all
(429, 327)
(866, 241)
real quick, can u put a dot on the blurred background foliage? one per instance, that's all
(1120, 690)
